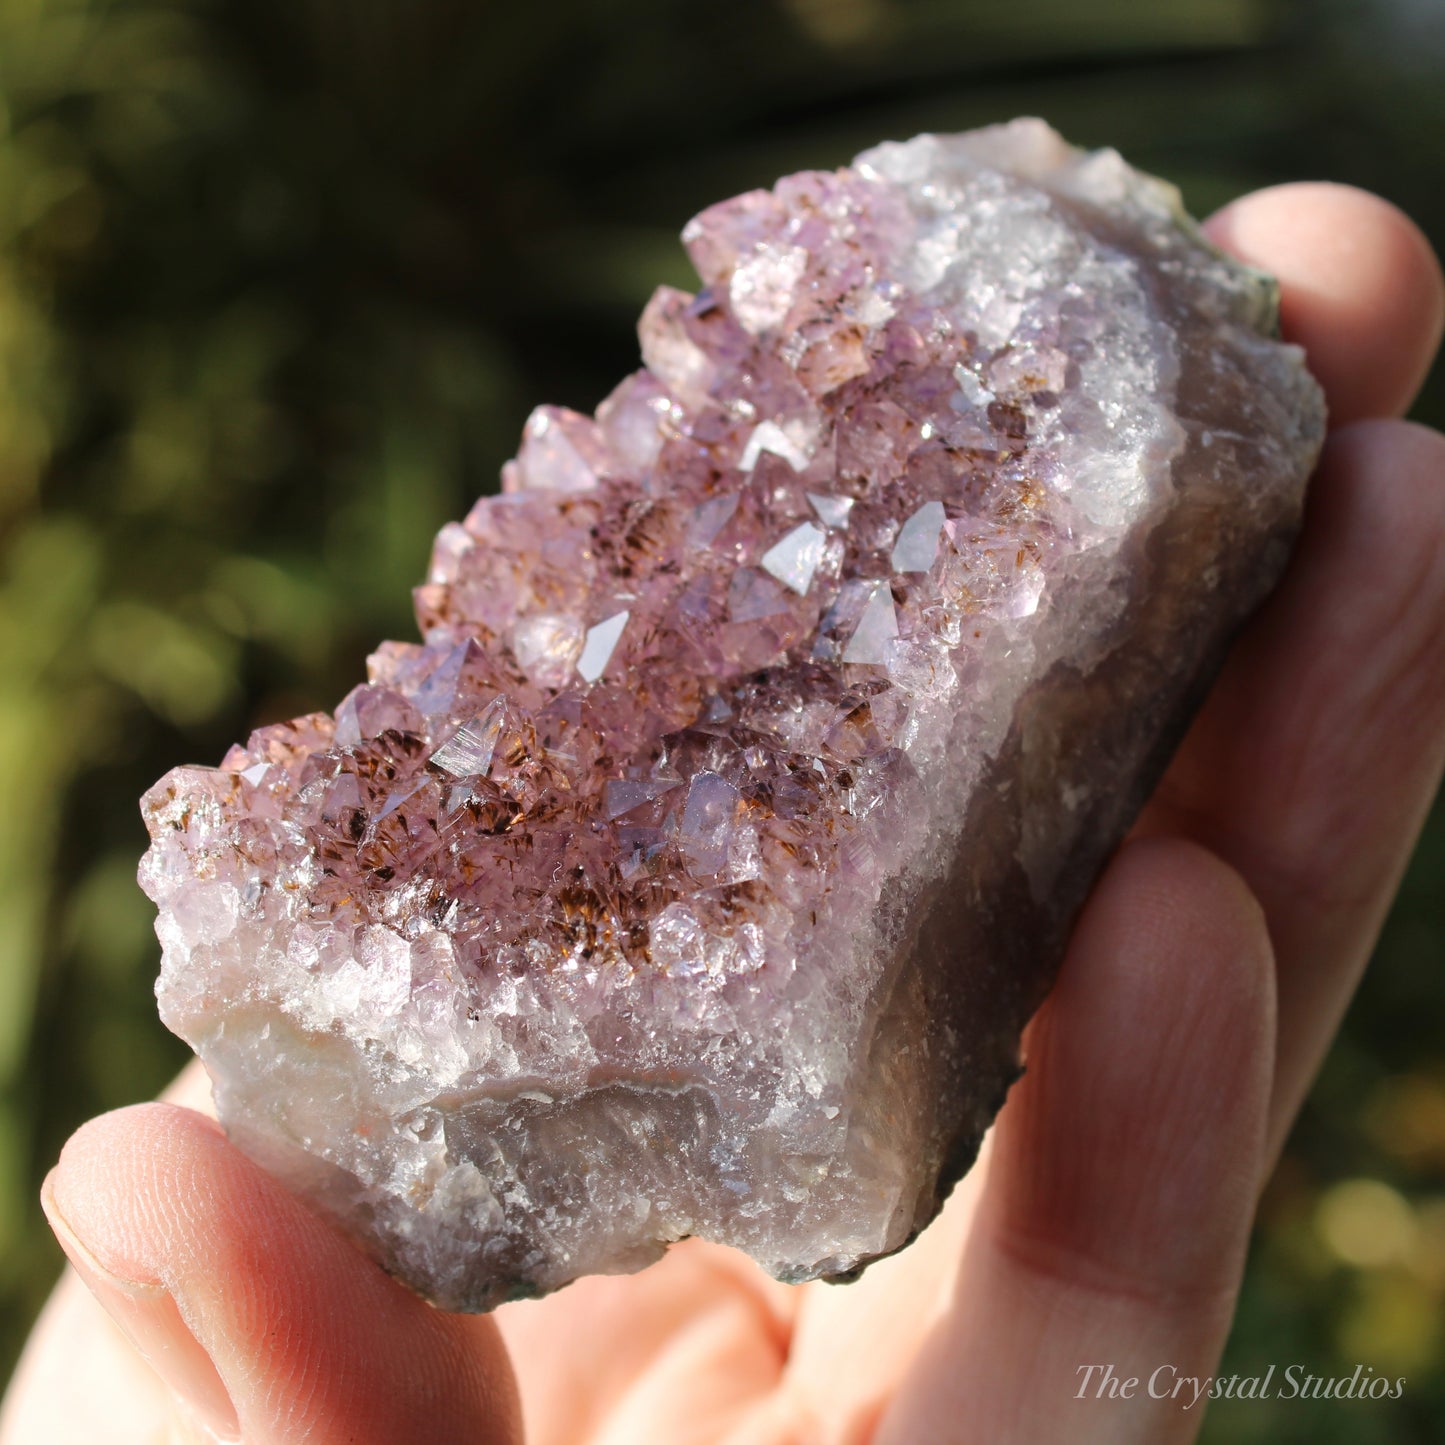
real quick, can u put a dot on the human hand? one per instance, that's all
(1108, 1219)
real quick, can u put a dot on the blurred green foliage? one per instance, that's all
(279, 280)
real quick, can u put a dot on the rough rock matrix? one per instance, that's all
(698, 872)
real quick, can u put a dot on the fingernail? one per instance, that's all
(149, 1318)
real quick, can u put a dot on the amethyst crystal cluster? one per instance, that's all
(698, 871)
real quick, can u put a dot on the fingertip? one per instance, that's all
(113, 1259)
(1134, 1139)
(306, 1336)
(1164, 898)
(92, 1184)
(1360, 288)
(1162, 905)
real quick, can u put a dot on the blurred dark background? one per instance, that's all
(279, 281)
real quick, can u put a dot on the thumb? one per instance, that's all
(264, 1323)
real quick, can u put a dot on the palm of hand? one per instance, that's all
(1107, 1222)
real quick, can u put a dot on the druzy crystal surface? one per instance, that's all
(698, 870)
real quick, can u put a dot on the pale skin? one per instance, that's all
(1108, 1219)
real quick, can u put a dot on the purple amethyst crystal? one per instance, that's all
(698, 871)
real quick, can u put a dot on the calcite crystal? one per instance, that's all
(698, 871)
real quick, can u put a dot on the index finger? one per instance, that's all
(1360, 288)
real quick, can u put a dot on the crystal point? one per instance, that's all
(699, 871)
(877, 626)
(601, 642)
(795, 559)
(917, 543)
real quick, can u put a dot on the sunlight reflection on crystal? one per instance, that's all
(601, 641)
